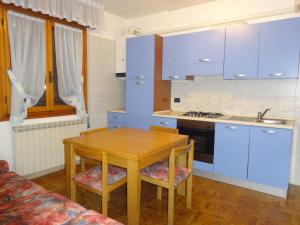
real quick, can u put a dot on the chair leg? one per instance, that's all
(104, 203)
(189, 192)
(82, 164)
(159, 192)
(171, 206)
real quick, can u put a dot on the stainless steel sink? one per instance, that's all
(272, 121)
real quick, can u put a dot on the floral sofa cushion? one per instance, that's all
(3, 166)
(91, 217)
(24, 202)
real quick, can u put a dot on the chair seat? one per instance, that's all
(160, 171)
(93, 177)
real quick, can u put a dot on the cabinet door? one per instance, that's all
(164, 122)
(205, 54)
(269, 156)
(279, 49)
(140, 57)
(241, 52)
(139, 103)
(231, 150)
(174, 57)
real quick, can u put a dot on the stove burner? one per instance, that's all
(202, 114)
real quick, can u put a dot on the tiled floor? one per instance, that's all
(214, 203)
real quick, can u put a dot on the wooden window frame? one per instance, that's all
(50, 109)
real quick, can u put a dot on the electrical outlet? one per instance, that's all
(177, 100)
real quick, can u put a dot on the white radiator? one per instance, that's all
(40, 147)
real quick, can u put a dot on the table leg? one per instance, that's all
(133, 193)
(70, 169)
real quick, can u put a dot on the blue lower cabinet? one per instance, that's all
(164, 122)
(269, 156)
(114, 125)
(139, 103)
(231, 150)
(116, 117)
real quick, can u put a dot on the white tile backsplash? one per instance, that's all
(244, 97)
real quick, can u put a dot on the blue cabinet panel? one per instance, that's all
(116, 117)
(140, 57)
(114, 125)
(139, 103)
(164, 122)
(241, 52)
(279, 49)
(204, 69)
(231, 150)
(174, 57)
(206, 46)
(269, 156)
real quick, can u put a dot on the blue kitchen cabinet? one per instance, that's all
(279, 49)
(164, 122)
(140, 57)
(174, 57)
(139, 103)
(269, 156)
(241, 52)
(205, 52)
(231, 150)
(116, 120)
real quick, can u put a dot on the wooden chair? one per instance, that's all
(84, 161)
(101, 179)
(164, 129)
(168, 130)
(168, 175)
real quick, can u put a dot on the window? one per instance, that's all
(50, 104)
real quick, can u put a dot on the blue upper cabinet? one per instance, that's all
(269, 156)
(231, 150)
(139, 103)
(140, 57)
(174, 57)
(241, 52)
(205, 52)
(279, 49)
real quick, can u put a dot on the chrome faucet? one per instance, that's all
(260, 115)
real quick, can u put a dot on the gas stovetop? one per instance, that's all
(203, 114)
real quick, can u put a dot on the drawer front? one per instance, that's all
(114, 125)
(116, 117)
(164, 122)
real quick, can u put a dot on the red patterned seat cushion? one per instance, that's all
(40, 209)
(160, 171)
(93, 177)
(91, 217)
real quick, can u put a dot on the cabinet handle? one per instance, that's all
(174, 77)
(117, 117)
(139, 77)
(115, 127)
(204, 60)
(240, 75)
(164, 123)
(269, 131)
(276, 74)
(231, 127)
(139, 82)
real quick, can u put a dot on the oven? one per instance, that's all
(203, 133)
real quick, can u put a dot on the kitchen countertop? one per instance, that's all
(121, 110)
(226, 119)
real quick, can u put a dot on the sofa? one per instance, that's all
(23, 202)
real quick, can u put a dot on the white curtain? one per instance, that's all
(69, 51)
(28, 63)
(85, 12)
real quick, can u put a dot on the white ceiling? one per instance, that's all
(136, 8)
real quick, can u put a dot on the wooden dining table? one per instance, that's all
(129, 148)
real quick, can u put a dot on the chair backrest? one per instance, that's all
(164, 129)
(93, 131)
(176, 152)
(86, 154)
